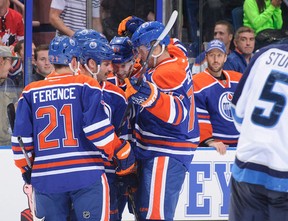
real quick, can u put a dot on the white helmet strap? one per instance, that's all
(94, 75)
(158, 55)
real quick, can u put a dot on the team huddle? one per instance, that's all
(68, 124)
(83, 166)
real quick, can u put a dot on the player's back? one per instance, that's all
(115, 103)
(262, 146)
(63, 111)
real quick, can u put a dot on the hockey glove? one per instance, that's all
(144, 94)
(124, 159)
(27, 174)
(129, 25)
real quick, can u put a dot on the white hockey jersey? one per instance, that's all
(260, 111)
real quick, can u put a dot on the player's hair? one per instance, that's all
(59, 66)
(227, 24)
(42, 47)
(242, 30)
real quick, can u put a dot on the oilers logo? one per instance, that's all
(225, 106)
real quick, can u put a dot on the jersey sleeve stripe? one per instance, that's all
(96, 126)
(100, 134)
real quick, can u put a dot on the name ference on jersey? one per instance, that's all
(54, 94)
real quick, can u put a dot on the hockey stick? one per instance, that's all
(11, 117)
(24, 151)
(132, 201)
(166, 30)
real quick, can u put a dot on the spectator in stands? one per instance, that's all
(68, 16)
(19, 6)
(12, 26)
(42, 67)
(7, 93)
(19, 49)
(244, 41)
(16, 72)
(265, 18)
(213, 89)
(224, 32)
(262, 14)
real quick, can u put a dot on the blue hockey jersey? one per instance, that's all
(213, 101)
(170, 128)
(64, 129)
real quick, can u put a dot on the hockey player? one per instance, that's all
(214, 90)
(259, 183)
(64, 128)
(125, 61)
(166, 128)
(95, 59)
(125, 65)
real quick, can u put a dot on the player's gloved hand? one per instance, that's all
(127, 182)
(129, 25)
(144, 94)
(124, 159)
(27, 174)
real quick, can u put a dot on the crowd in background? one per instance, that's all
(216, 72)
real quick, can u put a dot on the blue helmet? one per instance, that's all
(60, 50)
(123, 49)
(148, 32)
(96, 50)
(83, 35)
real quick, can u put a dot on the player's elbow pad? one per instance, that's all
(125, 159)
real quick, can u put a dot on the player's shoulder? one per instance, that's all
(234, 75)
(201, 76)
(202, 80)
(169, 74)
(176, 51)
(176, 42)
(112, 87)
